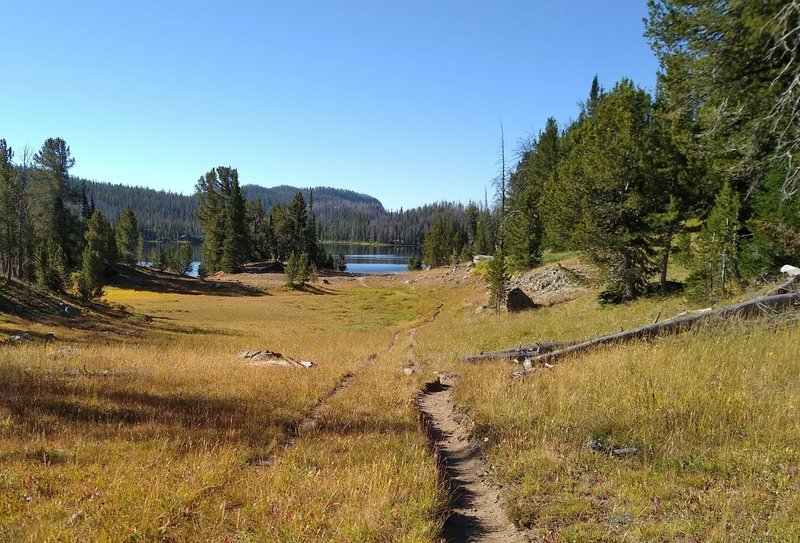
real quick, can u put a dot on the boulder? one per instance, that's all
(517, 300)
(19, 338)
(271, 358)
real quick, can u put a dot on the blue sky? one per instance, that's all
(400, 100)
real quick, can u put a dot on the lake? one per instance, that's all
(374, 258)
(360, 258)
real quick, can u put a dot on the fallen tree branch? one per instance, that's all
(521, 352)
(675, 325)
(788, 286)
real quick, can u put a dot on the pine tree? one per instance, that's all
(221, 213)
(55, 220)
(738, 65)
(234, 246)
(8, 210)
(127, 236)
(717, 254)
(50, 265)
(525, 226)
(498, 275)
(604, 191)
(98, 255)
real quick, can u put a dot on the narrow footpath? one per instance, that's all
(476, 512)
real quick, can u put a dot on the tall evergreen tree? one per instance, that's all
(98, 255)
(525, 223)
(8, 210)
(127, 236)
(56, 221)
(739, 63)
(234, 247)
(221, 213)
(607, 186)
(716, 265)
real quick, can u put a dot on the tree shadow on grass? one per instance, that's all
(313, 289)
(139, 278)
(34, 398)
(31, 303)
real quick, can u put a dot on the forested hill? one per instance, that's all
(342, 215)
(161, 214)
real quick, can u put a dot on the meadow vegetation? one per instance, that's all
(156, 431)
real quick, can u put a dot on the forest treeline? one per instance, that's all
(703, 170)
(50, 231)
(342, 215)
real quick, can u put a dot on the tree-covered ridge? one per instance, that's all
(283, 194)
(162, 215)
(341, 215)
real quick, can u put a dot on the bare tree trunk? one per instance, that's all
(676, 325)
(780, 298)
(665, 260)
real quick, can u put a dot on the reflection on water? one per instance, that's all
(374, 258)
(360, 258)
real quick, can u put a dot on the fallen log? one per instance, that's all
(675, 325)
(520, 353)
(788, 286)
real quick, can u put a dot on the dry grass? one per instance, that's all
(181, 441)
(714, 414)
(165, 436)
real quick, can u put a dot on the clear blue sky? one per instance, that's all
(401, 100)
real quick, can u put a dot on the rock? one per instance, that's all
(19, 338)
(624, 451)
(408, 371)
(325, 282)
(66, 351)
(791, 271)
(271, 358)
(480, 309)
(517, 300)
(478, 258)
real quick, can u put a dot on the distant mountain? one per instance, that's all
(342, 215)
(323, 197)
(161, 214)
(168, 215)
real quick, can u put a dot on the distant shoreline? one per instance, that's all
(370, 243)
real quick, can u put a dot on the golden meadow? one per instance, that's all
(152, 429)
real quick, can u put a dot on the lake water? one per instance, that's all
(374, 258)
(360, 258)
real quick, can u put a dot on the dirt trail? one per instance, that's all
(476, 514)
(412, 339)
(305, 424)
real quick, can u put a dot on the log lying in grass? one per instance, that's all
(675, 325)
(520, 353)
(788, 286)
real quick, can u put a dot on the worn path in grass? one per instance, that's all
(476, 513)
(307, 423)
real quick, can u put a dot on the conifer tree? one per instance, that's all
(525, 227)
(8, 210)
(221, 213)
(127, 236)
(98, 255)
(604, 190)
(56, 221)
(716, 264)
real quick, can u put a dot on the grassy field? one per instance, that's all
(714, 414)
(152, 429)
